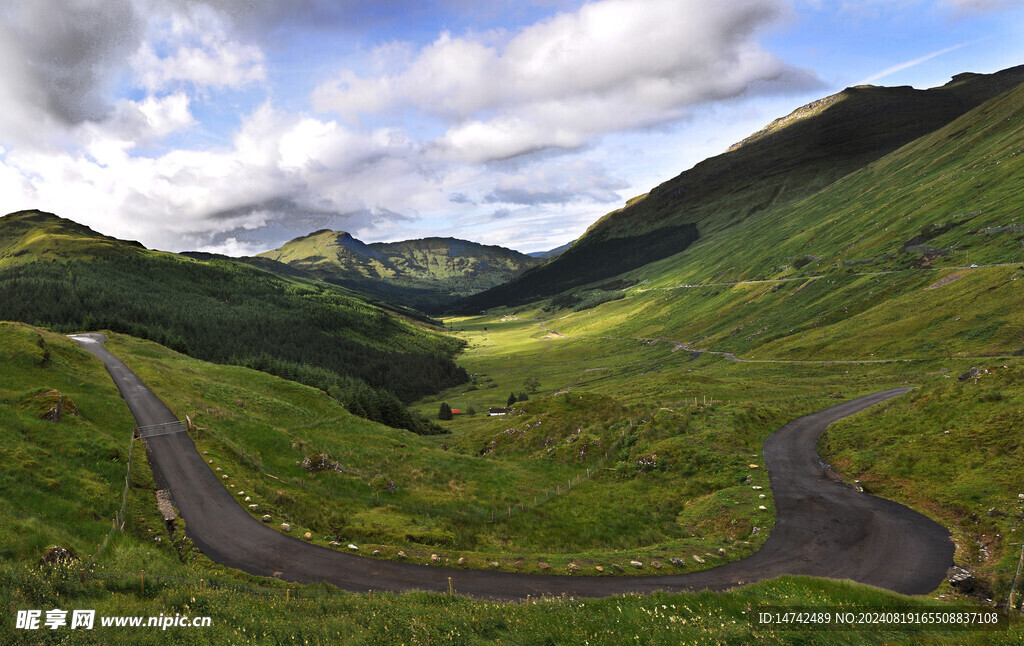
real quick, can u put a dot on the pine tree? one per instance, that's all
(511, 399)
(445, 412)
(522, 397)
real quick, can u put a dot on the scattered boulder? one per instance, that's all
(317, 462)
(462, 560)
(762, 496)
(247, 499)
(57, 555)
(599, 568)
(493, 564)
(698, 559)
(993, 513)
(353, 547)
(434, 558)
(762, 508)
(285, 527)
(307, 535)
(58, 406)
(572, 567)
(656, 565)
(401, 554)
(266, 518)
(544, 566)
(376, 552)
(383, 483)
(676, 561)
(962, 580)
(335, 544)
(636, 564)
(617, 567)
(974, 373)
(165, 505)
(755, 531)
(721, 550)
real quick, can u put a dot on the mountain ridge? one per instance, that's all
(426, 273)
(788, 160)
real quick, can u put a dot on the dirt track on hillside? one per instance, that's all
(824, 528)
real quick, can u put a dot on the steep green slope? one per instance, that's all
(426, 274)
(56, 273)
(874, 266)
(767, 173)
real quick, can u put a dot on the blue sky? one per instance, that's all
(233, 126)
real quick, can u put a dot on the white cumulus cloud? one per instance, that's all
(612, 65)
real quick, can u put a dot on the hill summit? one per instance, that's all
(428, 273)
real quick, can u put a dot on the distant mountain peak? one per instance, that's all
(424, 273)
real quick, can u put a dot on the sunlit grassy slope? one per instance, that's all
(755, 189)
(875, 266)
(69, 477)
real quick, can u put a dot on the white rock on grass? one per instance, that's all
(636, 564)
(352, 547)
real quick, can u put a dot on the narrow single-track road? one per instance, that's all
(823, 528)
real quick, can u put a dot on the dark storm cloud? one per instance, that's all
(59, 57)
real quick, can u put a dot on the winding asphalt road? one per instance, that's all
(823, 528)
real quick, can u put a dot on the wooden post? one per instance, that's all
(288, 594)
(371, 594)
(451, 587)
(81, 574)
(202, 586)
(1016, 579)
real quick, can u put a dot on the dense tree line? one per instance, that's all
(358, 397)
(230, 313)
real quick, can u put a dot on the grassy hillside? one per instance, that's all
(755, 182)
(56, 273)
(426, 274)
(68, 485)
(874, 266)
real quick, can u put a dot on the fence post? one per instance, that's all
(142, 582)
